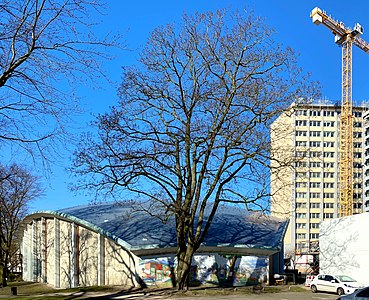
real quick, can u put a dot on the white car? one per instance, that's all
(340, 284)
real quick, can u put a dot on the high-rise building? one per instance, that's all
(366, 161)
(305, 170)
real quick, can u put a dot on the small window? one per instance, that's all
(300, 133)
(314, 123)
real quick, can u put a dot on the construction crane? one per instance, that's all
(345, 38)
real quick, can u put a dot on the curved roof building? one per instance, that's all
(104, 243)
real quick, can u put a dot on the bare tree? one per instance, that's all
(191, 129)
(47, 48)
(17, 189)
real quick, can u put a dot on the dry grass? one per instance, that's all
(25, 290)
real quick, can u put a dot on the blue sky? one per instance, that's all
(318, 54)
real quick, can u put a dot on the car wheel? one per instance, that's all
(313, 289)
(340, 291)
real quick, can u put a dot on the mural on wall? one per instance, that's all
(250, 270)
(206, 269)
(158, 271)
(216, 269)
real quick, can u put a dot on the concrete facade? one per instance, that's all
(305, 186)
(65, 254)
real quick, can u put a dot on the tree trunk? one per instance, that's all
(184, 267)
(4, 275)
(232, 264)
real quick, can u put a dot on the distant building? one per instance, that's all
(305, 143)
(107, 244)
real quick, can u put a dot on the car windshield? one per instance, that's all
(344, 278)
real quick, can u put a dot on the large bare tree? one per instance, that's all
(18, 187)
(191, 129)
(47, 49)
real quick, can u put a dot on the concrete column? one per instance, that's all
(101, 260)
(27, 254)
(35, 257)
(75, 259)
(43, 251)
(56, 253)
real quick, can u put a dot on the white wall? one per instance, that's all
(344, 247)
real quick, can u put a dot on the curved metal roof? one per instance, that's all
(233, 230)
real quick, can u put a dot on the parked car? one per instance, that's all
(340, 284)
(359, 294)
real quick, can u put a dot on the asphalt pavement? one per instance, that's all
(304, 295)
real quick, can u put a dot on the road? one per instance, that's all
(263, 296)
(273, 296)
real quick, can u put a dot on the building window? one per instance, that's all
(357, 145)
(357, 175)
(314, 123)
(357, 154)
(328, 165)
(300, 153)
(328, 205)
(328, 144)
(300, 143)
(301, 164)
(357, 185)
(301, 216)
(315, 133)
(328, 113)
(314, 195)
(328, 185)
(301, 236)
(314, 215)
(315, 153)
(314, 184)
(301, 112)
(300, 225)
(328, 215)
(314, 164)
(301, 123)
(314, 205)
(300, 195)
(328, 175)
(301, 184)
(328, 124)
(301, 205)
(301, 174)
(314, 144)
(314, 225)
(358, 134)
(300, 133)
(328, 195)
(328, 133)
(357, 114)
(314, 113)
(358, 205)
(356, 196)
(314, 236)
(358, 124)
(314, 174)
(328, 154)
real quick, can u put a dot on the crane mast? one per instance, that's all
(344, 37)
